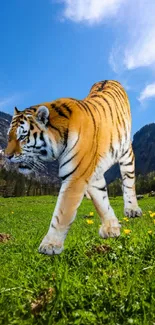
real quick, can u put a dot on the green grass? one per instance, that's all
(87, 286)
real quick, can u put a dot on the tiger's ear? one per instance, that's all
(42, 114)
(16, 111)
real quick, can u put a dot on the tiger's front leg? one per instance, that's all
(69, 199)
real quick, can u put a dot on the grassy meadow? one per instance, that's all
(94, 281)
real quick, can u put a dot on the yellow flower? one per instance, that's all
(90, 222)
(152, 214)
(149, 232)
(126, 219)
(154, 221)
(12, 212)
(91, 214)
(127, 231)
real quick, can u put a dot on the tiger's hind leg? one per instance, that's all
(110, 227)
(127, 169)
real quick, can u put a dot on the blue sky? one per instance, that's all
(59, 48)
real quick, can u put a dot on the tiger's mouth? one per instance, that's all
(25, 169)
(31, 166)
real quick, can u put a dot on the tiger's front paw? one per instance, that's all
(111, 228)
(133, 212)
(49, 247)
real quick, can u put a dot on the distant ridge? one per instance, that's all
(144, 150)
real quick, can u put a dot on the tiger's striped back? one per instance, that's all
(109, 104)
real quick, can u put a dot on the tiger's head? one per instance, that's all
(29, 140)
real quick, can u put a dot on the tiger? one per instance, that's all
(87, 137)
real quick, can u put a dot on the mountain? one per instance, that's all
(144, 149)
(5, 120)
(143, 146)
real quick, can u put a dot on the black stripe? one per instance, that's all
(91, 162)
(31, 126)
(105, 99)
(126, 175)
(119, 134)
(131, 152)
(128, 164)
(27, 150)
(116, 154)
(35, 137)
(67, 109)
(114, 99)
(74, 143)
(102, 85)
(101, 188)
(58, 109)
(111, 146)
(90, 103)
(125, 153)
(84, 106)
(41, 136)
(67, 161)
(99, 104)
(132, 172)
(53, 226)
(69, 174)
(55, 128)
(65, 136)
(94, 156)
(57, 219)
(127, 186)
(78, 103)
(13, 123)
(28, 140)
(120, 100)
(110, 94)
(87, 108)
(120, 91)
(33, 108)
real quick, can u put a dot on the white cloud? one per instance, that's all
(138, 45)
(91, 11)
(148, 92)
(134, 25)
